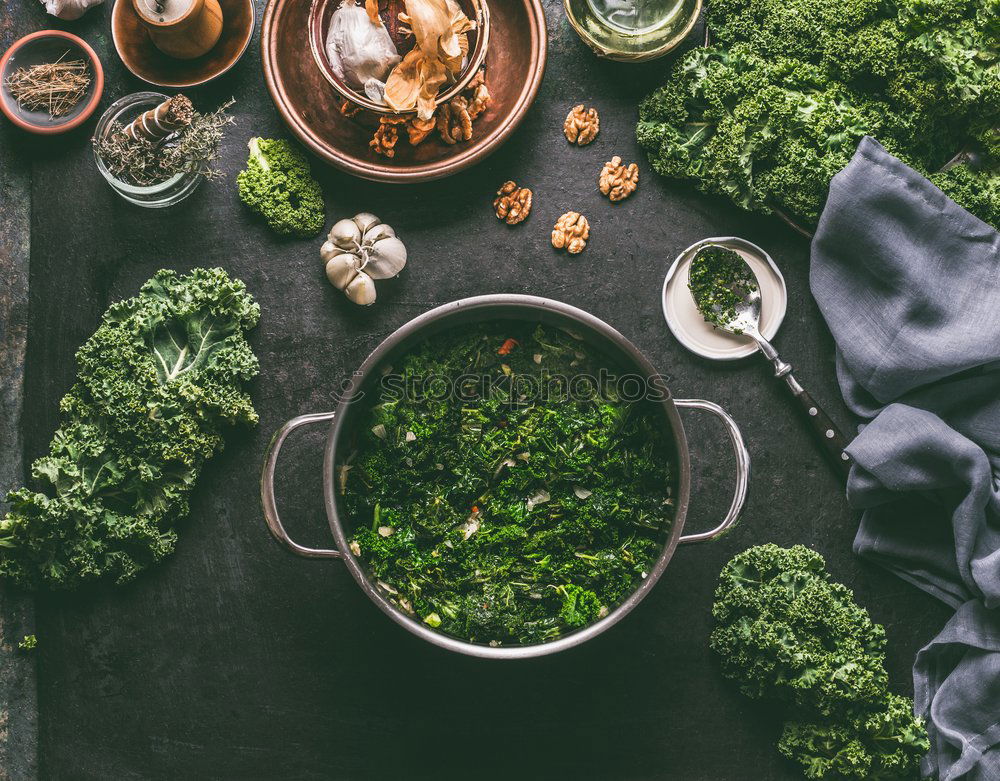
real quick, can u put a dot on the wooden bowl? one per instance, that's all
(48, 46)
(321, 12)
(143, 59)
(515, 63)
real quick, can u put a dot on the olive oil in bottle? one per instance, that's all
(632, 30)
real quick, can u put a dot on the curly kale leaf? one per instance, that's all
(580, 606)
(156, 384)
(786, 631)
(937, 58)
(977, 191)
(278, 184)
(776, 107)
(798, 29)
(764, 133)
(884, 743)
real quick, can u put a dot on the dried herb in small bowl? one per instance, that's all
(54, 87)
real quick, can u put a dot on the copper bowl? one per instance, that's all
(515, 63)
(319, 22)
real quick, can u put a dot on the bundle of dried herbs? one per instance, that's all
(55, 87)
(169, 140)
(158, 123)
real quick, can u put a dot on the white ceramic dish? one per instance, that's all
(690, 328)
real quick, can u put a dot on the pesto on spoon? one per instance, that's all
(720, 280)
(727, 294)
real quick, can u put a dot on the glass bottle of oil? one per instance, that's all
(632, 30)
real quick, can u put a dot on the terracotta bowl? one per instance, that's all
(321, 12)
(48, 46)
(153, 66)
(515, 63)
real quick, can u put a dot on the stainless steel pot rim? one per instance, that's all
(484, 304)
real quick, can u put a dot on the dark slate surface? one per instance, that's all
(18, 706)
(236, 660)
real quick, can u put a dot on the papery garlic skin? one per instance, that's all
(386, 258)
(377, 232)
(357, 50)
(329, 250)
(345, 234)
(365, 220)
(69, 9)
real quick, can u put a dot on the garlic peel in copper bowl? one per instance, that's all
(439, 46)
(358, 50)
(357, 252)
(440, 52)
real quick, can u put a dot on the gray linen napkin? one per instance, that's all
(909, 284)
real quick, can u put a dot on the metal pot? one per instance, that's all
(598, 335)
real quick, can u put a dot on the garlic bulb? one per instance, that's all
(357, 252)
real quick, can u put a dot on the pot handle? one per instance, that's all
(267, 489)
(742, 470)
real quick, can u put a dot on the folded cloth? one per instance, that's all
(909, 284)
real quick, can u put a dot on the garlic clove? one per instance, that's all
(361, 290)
(378, 232)
(365, 220)
(386, 258)
(341, 269)
(345, 234)
(329, 250)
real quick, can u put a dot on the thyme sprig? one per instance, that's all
(141, 162)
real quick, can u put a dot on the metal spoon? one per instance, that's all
(746, 322)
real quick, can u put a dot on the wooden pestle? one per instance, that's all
(190, 35)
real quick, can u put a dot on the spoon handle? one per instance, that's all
(826, 430)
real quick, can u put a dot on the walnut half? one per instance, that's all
(478, 95)
(618, 181)
(418, 129)
(453, 120)
(581, 127)
(571, 232)
(512, 203)
(386, 135)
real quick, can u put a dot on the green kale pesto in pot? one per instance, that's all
(503, 489)
(719, 279)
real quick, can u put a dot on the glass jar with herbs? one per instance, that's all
(155, 150)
